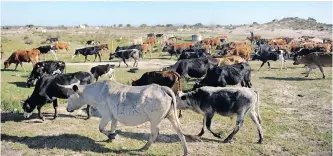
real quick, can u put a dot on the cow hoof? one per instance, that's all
(43, 118)
(226, 141)
(112, 136)
(55, 117)
(143, 149)
(306, 75)
(259, 142)
(88, 118)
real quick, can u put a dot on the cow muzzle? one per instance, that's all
(71, 111)
(26, 114)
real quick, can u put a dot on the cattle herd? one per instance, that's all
(156, 95)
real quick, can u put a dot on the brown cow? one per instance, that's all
(211, 41)
(244, 51)
(147, 48)
(170, 79)
(229, 60)
(20, 56)
(150, 40)
(327, 47)
(277, 41)
(61, 46)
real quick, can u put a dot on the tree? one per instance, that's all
(185, 26)
(114, 25)
(169, 25)
(143, 25)
(30, 25)
(128, 25)
(120, 25)
(198, 25)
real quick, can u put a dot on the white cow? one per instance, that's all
(137, 41)
(130, 105)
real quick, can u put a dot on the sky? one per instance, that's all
(45, 13)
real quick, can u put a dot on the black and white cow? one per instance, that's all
(47, 91)
(107, 69)
(92, 42)
(192, 68)
(226, 101)
(48, 48)
(89, 51)
(125, 55)
(227, 75)
(45, 68)
(266, 54)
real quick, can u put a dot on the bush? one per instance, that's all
(25, 37)
(143, 25)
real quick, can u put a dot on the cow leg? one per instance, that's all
(125, 62)
(16, 66)
(95, 57)
(85, 58)
(308, 72)
(256, 119)
(102, 125)
(55, 105)
(176, 125)
(202, 132)
(239, 124)
(262, 64)
(180, 114)
(99, 56)
(154, 128)
(119, 63)
(209, 117)
(269, 66)
(113, 128)
(321, 69)
(88, 111)
(134, 62)
(39, 113)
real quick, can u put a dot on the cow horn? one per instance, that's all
(73, 56)
(134, 79)
(180, 93)
(69, 86)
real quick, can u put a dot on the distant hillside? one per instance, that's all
(294, 23)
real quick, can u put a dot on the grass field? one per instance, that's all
(296, 113)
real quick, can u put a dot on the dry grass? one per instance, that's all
(293, 124)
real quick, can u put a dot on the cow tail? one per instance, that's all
(257, 105)
(173, 105)
(178, 79)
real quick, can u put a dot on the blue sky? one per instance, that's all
(151, 13)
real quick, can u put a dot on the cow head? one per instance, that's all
(298, 60)
(112, 56)
(27, 107)
(184, 102)
(135, 82)
(75, 101)
(6, 64)
(256, 57)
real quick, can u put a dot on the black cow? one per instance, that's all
(48, 48)
(92, 42)
(159, 35)
(303, 52)
(226, 101)
(45, 68)
(190, 55)
(89, 51)
(125, 55)
(47, 90)
(266, 55)
(192, 68)
(100, 70)
(52, 40)
(227, 75)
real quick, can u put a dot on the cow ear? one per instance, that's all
(75, 88)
